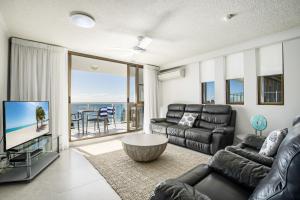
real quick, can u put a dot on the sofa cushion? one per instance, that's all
(160, 127)
(199, 135)
(175, 112)
(214, 116)
(177, 130)
(218, 187)
(195, 108)
(188, 119)
(272, 142)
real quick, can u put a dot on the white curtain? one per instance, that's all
(39, 72)
(150, 95)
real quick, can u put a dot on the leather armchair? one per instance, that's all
(227, 176)
(231, 176)
(250, 147)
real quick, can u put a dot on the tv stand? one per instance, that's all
(25, 166)
(22, 157)
(28, 172)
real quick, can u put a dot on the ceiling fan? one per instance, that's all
(140, 47)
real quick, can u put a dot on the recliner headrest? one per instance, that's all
(296, 120)
(176, 107)
(217, 109)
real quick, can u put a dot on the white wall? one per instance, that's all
(3, 70)
(187, 90)
(182, 90)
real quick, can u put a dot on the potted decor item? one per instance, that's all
(259, 123)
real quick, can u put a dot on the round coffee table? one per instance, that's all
(144, 147)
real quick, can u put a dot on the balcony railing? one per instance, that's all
(81, 127)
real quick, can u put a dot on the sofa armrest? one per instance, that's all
(224, 130)
(256, 157)
(238, 168)
(157, 120)
(175, 190)
(195, 175)
(254, 141)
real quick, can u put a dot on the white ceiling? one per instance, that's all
(179, 28)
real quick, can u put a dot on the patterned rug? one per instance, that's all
(135, 181)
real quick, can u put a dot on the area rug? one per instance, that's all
(135, 181)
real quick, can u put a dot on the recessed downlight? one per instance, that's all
(82, 20)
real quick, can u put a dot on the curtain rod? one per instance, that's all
(37, 42)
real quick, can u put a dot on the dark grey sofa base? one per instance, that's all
(198, 146)
(176, 140)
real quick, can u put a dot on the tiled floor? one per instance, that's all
(71, 177)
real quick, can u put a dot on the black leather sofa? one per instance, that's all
(213, 129)
(231, 176)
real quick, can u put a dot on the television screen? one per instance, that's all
(24, 121)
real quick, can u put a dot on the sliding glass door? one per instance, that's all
(135, 98)
(105, 97)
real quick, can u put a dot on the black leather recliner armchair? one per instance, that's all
(213, 129)
(230, 176)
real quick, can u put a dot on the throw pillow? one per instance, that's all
(188, 119)
(272, 142)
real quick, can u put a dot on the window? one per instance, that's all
(235, 91)
(207, 72)
(270, 89)
(235, 78)
(270, 75)
(208, 92)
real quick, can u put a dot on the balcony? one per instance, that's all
(98, 119)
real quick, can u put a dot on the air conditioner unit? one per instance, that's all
(172, 74)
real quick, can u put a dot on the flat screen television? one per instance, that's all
(24, 121)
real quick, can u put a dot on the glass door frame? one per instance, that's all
(137, 67)
(137, 101)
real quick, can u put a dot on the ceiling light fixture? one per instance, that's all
(94, 67)
(82, 20)
(228, 17)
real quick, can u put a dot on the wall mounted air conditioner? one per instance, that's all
(172, 74)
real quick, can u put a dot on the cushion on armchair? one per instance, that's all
(272, 142)
(174, 190)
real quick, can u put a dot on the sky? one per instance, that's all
(22, 113)
(236, 86)
(210, 92)
(99, 87)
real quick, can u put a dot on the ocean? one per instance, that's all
(120, 108)
(17, 128)
(9, 130)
